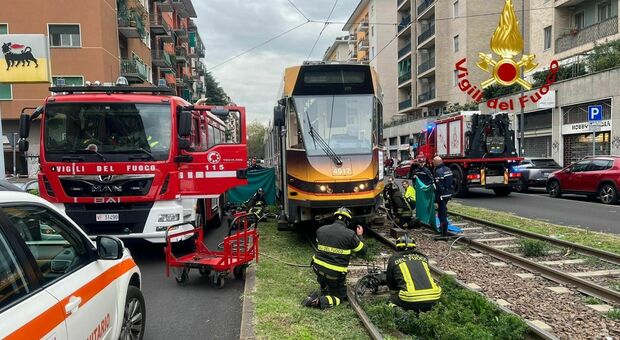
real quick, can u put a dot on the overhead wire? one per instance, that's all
(298, 10)
(325, 24)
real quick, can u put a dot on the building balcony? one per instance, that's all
(181, 54)
(404, 23)
(425, 66)
(160, 28)
(405, 104)
(404, 77)
(179, 7)
(131, 24)
(405, 50)
(586, 35)
(402, 5)
(363, 26)
(426, 4)
(426, 96)
(134, 71)
(425, 35)
(161, 59)
(363, 45)
(164, 5)
(567, 3)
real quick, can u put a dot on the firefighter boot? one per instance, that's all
(312, 300)
(328, 301)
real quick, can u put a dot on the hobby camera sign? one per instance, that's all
(25, 58)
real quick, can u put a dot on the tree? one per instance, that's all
(215, 94)
(256, 137)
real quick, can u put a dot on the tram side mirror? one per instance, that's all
(278, 115)
(23, 145)
(185, 123)
(24, 125)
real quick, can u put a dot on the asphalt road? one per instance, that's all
(195, 311)
(570, 210)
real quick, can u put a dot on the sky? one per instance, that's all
(231, 27)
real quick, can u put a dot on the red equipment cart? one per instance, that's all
(239, 250)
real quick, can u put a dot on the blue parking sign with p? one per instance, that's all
(595, 113)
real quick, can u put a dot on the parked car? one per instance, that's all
(534, 173)
(60, 284)
(402, 170)
(593, 176)
(8, 186)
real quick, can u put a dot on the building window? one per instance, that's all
(604, 11)
(70, 80)
(372, 31)
(6, 92)
(547, 37)
(456, 43)
(64, 35)
(579, 21)
(372, 53)
(455, 9)
(455, 77)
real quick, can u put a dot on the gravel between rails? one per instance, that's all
(566, 313)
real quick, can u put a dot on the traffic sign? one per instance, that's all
(595, 113)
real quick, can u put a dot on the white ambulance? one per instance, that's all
(55, 283)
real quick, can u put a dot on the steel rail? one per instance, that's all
(601, 254)
(535, 330)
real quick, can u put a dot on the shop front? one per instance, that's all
(579, 140)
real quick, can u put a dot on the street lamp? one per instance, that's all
(522, 121)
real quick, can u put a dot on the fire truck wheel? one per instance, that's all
(240, 272)
(460, 188)
(204, 272)
(182, 276)
(502, 192)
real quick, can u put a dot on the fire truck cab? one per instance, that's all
(131, 161)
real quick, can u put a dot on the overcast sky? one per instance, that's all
(230, 27)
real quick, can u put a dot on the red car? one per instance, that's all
(594, 176)
(402, 170)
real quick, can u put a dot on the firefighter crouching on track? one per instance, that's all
(336, 243)
(443, 192)
(409, 278)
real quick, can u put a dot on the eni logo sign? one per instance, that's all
(507, 44)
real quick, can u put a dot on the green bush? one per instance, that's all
(533, 248)
(614, 314)
(460, 314)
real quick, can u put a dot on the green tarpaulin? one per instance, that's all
(425, 203)
(261, 178)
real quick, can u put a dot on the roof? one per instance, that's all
(116, 97)
(358, 10)
(333, 47)
(190, 8)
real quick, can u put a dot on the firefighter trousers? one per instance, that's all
(333, 287)
(413, 306)
(442, 213)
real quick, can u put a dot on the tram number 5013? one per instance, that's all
(342, 172)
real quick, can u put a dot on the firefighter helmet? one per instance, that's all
(343, 212)
(405, 243)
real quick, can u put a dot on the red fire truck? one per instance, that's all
(479, 148)
(131, 161)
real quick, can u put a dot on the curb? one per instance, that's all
(247, 311)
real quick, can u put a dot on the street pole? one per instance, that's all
(522, 121)
(14, 154)
(2, 174)
(593, 141)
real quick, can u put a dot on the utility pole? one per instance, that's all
(522, 121)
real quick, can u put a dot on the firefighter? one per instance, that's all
(336, 243)
(409, 278)
(397, 204)
(254, 165)
(443, 192)
(409, 194)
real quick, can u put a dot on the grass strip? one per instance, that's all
(460, 314)
(281, 288)
(594, 239)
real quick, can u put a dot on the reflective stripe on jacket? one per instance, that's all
(409, 274)
(336, 243)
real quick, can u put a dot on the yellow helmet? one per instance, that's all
(343, 212)
(405, 242)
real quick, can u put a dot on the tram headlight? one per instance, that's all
(356, 189)
(323, 187)
(362, 186)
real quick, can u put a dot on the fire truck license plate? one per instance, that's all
(106, 217)
(495, 180)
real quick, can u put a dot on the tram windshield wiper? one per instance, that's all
(317, 139)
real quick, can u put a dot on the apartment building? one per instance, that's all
(99, 40)
(567, 31)
(371, 31)
(432, 36)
